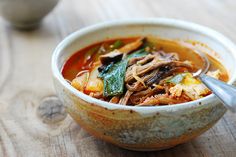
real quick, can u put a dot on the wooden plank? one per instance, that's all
(26, 84)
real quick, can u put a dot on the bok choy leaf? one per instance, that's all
(115, 75)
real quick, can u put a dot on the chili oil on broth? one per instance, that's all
(186, 51)
(84, 58)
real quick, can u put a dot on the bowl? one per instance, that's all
(143, 128)
(26, 14)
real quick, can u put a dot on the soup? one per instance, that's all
(140, 71)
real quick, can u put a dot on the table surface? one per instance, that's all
(26, 80)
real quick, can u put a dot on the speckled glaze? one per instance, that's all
(143, 128)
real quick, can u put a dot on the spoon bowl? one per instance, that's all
(225, 92)
(205, 66)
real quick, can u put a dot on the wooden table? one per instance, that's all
(26, 82)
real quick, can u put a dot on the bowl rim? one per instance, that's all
(140, 21)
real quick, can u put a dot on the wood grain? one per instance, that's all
(25, 80)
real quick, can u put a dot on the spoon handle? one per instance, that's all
(225, 92)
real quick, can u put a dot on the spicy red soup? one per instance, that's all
(140, 71)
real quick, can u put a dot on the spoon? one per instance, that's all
(225, 92)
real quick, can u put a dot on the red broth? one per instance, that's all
(84, 59)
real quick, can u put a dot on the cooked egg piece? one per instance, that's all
(191, 86)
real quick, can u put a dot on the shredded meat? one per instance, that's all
(140, 96)
(162, 73)
(145, 78)
(138, 86)
(161, 99)
(126, 97)
(153, 65)
(167, 56)
(133, 61)
(140, 73)
(146, 59)
(115, 99)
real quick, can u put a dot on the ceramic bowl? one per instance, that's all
(143, 128)
(26, 14)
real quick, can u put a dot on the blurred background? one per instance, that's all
(25, 75)
(71, 15)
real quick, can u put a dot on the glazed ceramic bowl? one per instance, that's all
(26, 14)
(143, 128)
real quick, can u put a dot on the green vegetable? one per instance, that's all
(114, 79)
(138, 53)
(117, 44)
(105, 70)
(115, 75)
(177, 78)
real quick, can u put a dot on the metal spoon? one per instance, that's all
(225, 92)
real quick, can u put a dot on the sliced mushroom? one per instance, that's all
(116, 55)
(113, 56)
